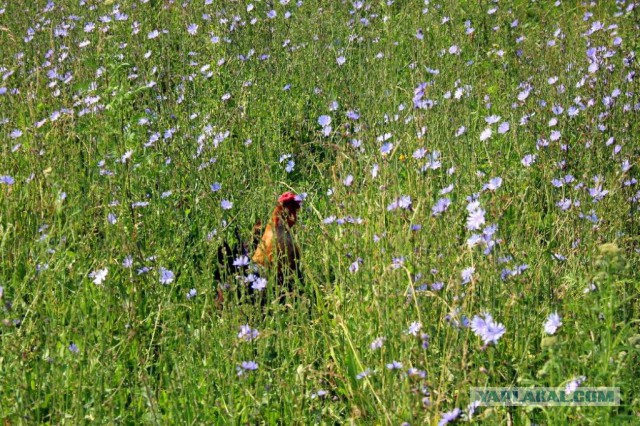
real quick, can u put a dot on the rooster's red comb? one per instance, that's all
(287, 196)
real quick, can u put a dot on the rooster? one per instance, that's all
(277, 247)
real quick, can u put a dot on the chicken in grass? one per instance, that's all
(277, 247)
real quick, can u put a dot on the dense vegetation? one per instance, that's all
(469, 171)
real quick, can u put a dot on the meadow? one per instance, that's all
(470, 217)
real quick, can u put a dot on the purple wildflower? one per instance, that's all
(241, 261)
(475, 219)
(564, 204)
(449, 416)
(324, 120)
(353, 115)
(290, 166)
(573, 385)
(553, 323)
(528, 160)
(597, 193)
(246, 366)
(377, 343)
(394, 365)
(487, 329)
(403, 202)
(471, 409)
(259, 284)
(166, 276)
(493, 184)
(99, 276)
(321, 393)
(192, 29)
(364, 374)
(7, 180)
(559, 257)
(247, 333)
(419, 153)
(492, 119)
(446, 190)
(414, 328)
(467, 274)
(386, 148)
(441, 206)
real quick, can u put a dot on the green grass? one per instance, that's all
(147, 354)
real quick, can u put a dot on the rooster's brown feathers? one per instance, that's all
(277, 247)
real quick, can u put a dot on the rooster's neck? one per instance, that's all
(282, 216)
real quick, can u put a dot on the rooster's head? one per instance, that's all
(290, 204)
